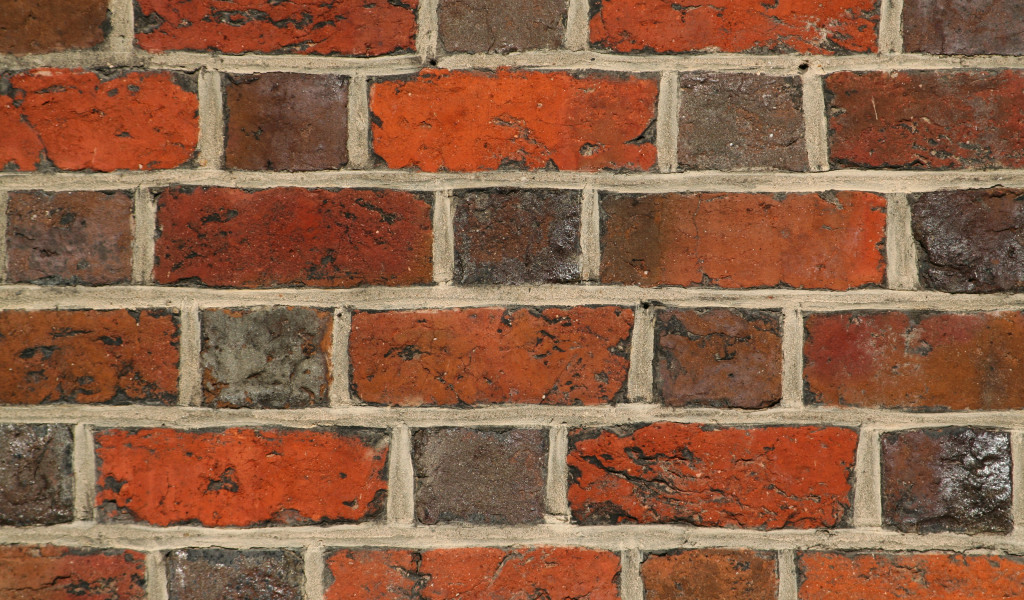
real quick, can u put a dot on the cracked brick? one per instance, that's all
(59, 573)
(710, 574)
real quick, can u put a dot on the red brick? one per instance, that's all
(477, 121)
(88, 356)
(76, 120)
(923, 361)
(340, 27)
(926, 119)
(491, 355)
(473, 574)
(38, 26)
(834, 27)
(57, 573)
(765, 478)
(240, 477)
(828, 241)
(226, 237)
(711, 575)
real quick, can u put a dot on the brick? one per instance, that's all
(933, 576)
(926, 119)
(240, 477)
(956, 27)
(814, 241)
(89, 356)
(560, 356)
(69, 238)
(37, 486)
(286, 122)
(718, 357)
(954, 479)
(510, 237)
(710, 575)
(493, 477)
(480, 121)
(473, 574)
(763, 478)
(58, 573)
(340, 27)
(228, 237)
(480, 26)
(77, 120)
(917, 361)
(970, 239)
(273, 357)
(676, 26)
(222, 574)
(40, 26)
(741, 121)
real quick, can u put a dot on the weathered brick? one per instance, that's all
(57, 573)
(37, 485)
(88, 356)
(765, 477)
(480, 476)
(69, 238)
(228, 237)
(240, 477)
(286, 122)
(341, 27)
(75, 120)
(525, 356)
(711, 575)
(39, 26)
(486, 26)
(920, 361)
(473, 574)
(718, 357)
(958, 27)
(667, 26)
(926, 119)
(509, 237)
(477, 121)
(827, 240)
(953, 479)
(222, 574)
(273, 357)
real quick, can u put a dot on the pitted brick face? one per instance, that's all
(39, 26)
(484, 26)
(36, 482)
(958, 27)
(710, 575)
(59, 573)
(223, 574)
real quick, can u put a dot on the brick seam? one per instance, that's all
(121, 39)
(792, 359)
(890, 27)
(143, 236)
(900, 247)
(668, 122)
(313, 560)
(156, 574)
(640, 381)
(867, 498)
(3, 235)
(1017, 458)
(590, 236)
(84, 471)
(401, 478)
(444, 238)
(577, 26)
(358, 122)
(211, 119)
(339, 394)
(631, 585)
(190, 378)
(787, 575)
(815, 120)
(557, 487)
(427, 44)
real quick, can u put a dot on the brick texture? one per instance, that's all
(221, 574)
(956, 27)
(36, 483)
(59, 573)
(484, 26)
(38, 26)
(711, 575)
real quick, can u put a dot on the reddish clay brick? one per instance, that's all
(223, 574)
(926, 119)
(88, 356)
(39, 26)
(473, 574)
(829, 240)
(340, 27)
(765, 478)
(240, 477)
(480, 121)
(920, 361)
(510, 26)
(718, 357)
(666, 26)
(75, 120)
(227, 237)
(69, 238)
(57, 573)
(524, 356)
(710, 575)
(37, 485)
(958, 27)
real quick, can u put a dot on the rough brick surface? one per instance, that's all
(473, 574)
(69, 238)
(480, 476)
(741, 121)
(667, 26)
(227, 237)
(344, 27)
(710, 575)
(765, 478)
(240, 477)
(826, 241)
(286, 122)
(57, 573)
(88, 356)
(479, 121)
(38, 26)
(75, 120)
(222, 574)
(486, 26)
(926, 119)
(265, 357)
(510, 237)
(921, 361)
(958, 27)
(954, 479)
(718, 357)
(525, 356)
(36, 483)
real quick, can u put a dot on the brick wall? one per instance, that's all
(458, 298)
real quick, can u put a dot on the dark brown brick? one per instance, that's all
(963, 27)
(37, 486)
(508, 26)
(38, 26)
(221, 574)
(58, 573)
(710, 575)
